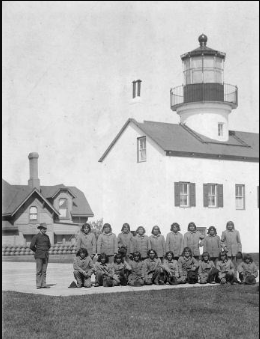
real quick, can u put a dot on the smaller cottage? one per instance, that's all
(62, 208)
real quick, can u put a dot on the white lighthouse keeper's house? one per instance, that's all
(157, 173)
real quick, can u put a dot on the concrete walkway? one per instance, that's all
(20, 277)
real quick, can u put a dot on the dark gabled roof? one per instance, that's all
(179, 140)
(80, 206)
(51, 191)
(14, 195)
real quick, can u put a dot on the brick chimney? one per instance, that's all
(34, 181)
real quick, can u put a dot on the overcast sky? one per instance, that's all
(68, 69)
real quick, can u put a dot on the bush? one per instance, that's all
(96, 227)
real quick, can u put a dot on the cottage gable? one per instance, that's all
(62, 208)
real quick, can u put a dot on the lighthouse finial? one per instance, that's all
(203, 40)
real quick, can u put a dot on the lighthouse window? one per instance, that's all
(219, 63)
(208, 69)
(196, 76)
(208, 62)
(218, 75)
(141, 148)
(196, 62)
(240, 197)
(203, 69)
(209, 76)
(196, 65)
(220, 129)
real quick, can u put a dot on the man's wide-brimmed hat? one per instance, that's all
(43, 225)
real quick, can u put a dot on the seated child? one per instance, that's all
(104, 272)
(207, 270)
(121, 269)
(136, 277)
(153, 269)
(247, 270)
(171, 269)
(188, 267)
(83, 268)
(125, 241)
(123, 252)
(226, 269)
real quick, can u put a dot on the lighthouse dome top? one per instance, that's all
(203, 50)
(203, 40)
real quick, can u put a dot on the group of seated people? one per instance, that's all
(139, 260)
(153, 270)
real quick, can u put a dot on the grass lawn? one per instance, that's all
(186, 313)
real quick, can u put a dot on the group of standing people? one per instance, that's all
(138, 260)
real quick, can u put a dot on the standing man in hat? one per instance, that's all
(40, 245)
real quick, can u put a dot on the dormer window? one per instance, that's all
(33, 214)
(63, 208)
(141, 149)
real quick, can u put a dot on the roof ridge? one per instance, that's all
(240, 140)
(193, 133)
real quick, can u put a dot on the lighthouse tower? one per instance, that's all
(204, 101)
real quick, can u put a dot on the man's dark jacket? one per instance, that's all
(40, 244)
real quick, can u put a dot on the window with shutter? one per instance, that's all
(213, 195)
(177, 193)
(185, 195)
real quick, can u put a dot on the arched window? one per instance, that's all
(63, 208)
(33, 213)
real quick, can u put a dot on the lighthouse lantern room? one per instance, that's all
(204, 101)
